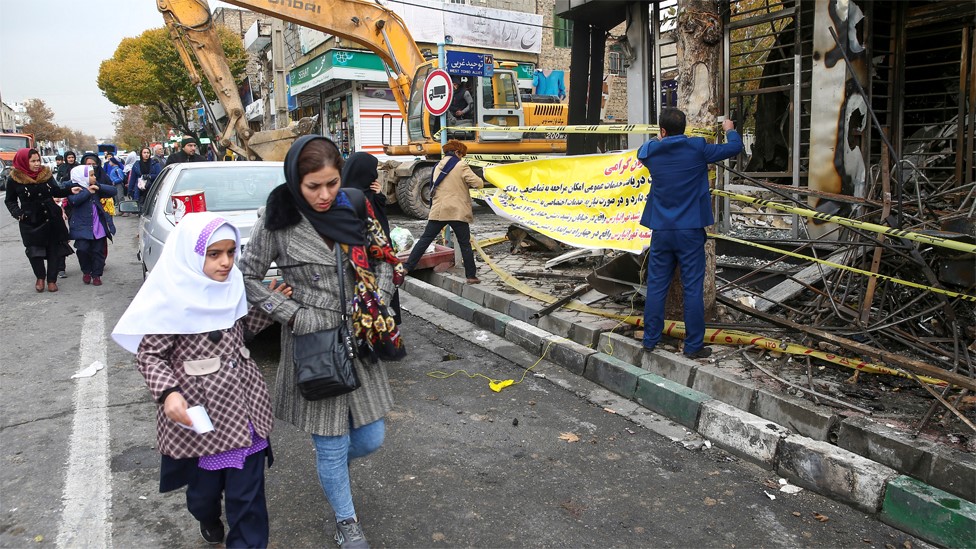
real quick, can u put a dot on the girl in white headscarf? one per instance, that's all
(187, 326)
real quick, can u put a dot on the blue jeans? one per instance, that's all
(684, 247)
(333, 457)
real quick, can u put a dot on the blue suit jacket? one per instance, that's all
(679, 197)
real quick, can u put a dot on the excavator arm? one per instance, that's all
(192, 30)
(364, 22)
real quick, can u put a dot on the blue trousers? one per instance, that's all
(243, 491)
(684, 248)
(333, 455)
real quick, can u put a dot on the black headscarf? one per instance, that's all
(359, 172)
(341, 222)
(64, 170)
(99, 172)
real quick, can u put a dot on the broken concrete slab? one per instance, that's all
(744, 434)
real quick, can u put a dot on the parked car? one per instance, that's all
(48, 160)
(235, 189)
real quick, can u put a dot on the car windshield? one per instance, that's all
(12, 143)
(230, 189)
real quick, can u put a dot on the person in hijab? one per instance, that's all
(451, 205)
(305, 218)
(63, 175)
(143, 174)
(30, 190)
(359, 172)
(130, 159)
(188, 153)
(89, 226)
(187, 327)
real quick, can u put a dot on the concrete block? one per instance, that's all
(744, 434)
(491, 320)
(623, 347)
(833, 471)
(675, 367)
(587, 331)
(569, 354)
(725, 386)
(430, 294)
(474, 292)
(868, 438)
(524, 309)
(672, 400)
(449, 282)
(954, 472)
(526, 336)
(557, 322)
(929, 513)
(461, 308)
(798, 415)
(613, 373)
(499, 301)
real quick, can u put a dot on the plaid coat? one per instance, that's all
(308, 265)
(220, 376)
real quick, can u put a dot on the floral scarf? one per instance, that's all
(376, 332)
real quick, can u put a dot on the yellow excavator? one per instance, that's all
(380, 30)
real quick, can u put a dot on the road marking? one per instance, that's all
(88, 484)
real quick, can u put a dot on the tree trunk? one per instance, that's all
(699, 48)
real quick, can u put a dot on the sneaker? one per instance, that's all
(96, 281)
(349, 534)
(212, 533)
(62, 274)
(704, 352)
(86, 278)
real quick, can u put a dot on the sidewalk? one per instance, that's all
(923, 488)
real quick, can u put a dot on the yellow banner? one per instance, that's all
(592, 201)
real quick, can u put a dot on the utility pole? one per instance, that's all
(278, 67)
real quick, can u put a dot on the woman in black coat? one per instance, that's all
(360, 173)
(30, 193)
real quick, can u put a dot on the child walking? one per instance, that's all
(187, 326)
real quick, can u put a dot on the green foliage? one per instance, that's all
(147, 70)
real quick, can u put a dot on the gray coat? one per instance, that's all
(307, 265)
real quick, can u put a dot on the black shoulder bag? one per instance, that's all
(323, 359)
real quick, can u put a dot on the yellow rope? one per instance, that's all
(494, 384)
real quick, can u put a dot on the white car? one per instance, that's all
(234, 189)
(48, 160)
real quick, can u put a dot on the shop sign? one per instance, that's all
(337, 64)
(462, 63)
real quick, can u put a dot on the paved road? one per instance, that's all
(462, 465)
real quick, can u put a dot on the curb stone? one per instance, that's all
(929, 513)
(815, 464)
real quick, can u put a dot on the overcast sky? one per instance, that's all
(51, 50)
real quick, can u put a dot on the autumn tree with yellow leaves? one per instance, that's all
(147, 70)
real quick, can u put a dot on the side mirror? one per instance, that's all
(129, 206)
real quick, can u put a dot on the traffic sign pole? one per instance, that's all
(442, 64)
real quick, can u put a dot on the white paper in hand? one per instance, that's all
(200, 419)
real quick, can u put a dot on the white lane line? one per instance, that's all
(88, 484)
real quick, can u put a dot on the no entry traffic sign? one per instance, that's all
(438, 92)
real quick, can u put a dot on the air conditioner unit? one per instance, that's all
(257, 37)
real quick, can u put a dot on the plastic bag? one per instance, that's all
(402, 239)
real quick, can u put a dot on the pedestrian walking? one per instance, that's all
(200, 360)
(359, 172)
(158, 154)
(451, 206)
(31, 191)
(63, 174)
(678, 208)
(143, 174)
(89, 226)
(188, 153)
(304, 220)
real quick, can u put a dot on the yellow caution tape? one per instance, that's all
(950, 293)
(598, 129)
(712, 335)
(853, 223)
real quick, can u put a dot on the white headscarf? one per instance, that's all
(177, 297)
(79, 174)
(130, 159)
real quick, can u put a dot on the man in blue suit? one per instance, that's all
(678, 209)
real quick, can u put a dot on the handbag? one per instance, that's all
(323, 359)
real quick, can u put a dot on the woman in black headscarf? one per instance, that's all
(304, 220)
(359, 172)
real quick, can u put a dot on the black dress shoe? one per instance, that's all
(212, 533)
(704, 352)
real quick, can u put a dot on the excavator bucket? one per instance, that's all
(274, 144)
